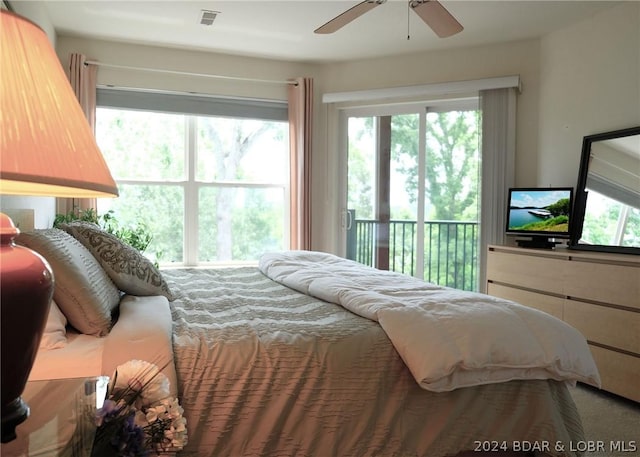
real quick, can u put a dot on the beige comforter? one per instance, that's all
(448, 338)
(266, 371)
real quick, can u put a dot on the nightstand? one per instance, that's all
(62, 418)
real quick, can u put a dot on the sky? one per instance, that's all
(537, 198)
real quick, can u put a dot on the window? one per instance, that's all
(413, 202)
(209, 177)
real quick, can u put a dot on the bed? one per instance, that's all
(308, 354)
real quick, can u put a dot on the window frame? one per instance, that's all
(421, 109)
(193, 106)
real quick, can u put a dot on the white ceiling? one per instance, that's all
(284, 29)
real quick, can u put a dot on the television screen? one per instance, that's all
(540, 211)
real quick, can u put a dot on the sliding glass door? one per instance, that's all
(412, 192)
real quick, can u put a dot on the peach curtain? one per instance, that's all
(300, 129)
(82, 77)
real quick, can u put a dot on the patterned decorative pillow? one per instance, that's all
(131, 271)
(83, 291)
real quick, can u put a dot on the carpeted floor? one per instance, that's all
(611, 424)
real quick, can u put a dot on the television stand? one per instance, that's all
(537, 243)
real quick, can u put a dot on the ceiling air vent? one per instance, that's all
(207, 17)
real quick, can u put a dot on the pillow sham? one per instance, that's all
(131, 271)
(55, 330)
(83, 291)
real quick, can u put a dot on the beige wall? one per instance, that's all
(577, 81)
(37, 14)
(590, 83)
(133, 55)
(506, 59)
(516, 58)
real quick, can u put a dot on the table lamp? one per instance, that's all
(47, 148)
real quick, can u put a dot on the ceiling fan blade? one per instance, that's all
(352, 13)
(437, 17)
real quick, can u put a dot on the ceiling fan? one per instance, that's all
(430, 11)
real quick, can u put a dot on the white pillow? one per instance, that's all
(55, 330)
(83, 290)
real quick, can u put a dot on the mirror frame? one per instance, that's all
(580, 202)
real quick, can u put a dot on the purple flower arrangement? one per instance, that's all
(139, 416)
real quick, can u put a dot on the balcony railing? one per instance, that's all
(450, 251)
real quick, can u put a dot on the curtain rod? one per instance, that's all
(186, 73)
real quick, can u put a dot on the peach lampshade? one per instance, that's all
(47, 148)
(46, 144)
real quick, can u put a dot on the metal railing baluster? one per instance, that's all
(450, 249)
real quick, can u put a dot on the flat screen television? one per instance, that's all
(542, 214)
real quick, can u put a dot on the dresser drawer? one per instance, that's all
(605, 283)
(610, 326)
(526, 271)
(619, 372)
(547, 303)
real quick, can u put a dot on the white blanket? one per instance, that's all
(448, 338)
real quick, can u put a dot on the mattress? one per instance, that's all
(142, 331)
(264, 370)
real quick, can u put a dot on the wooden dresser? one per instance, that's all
(597, 293)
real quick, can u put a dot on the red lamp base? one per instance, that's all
(26, 288)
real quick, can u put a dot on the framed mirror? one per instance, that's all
(606, 213)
